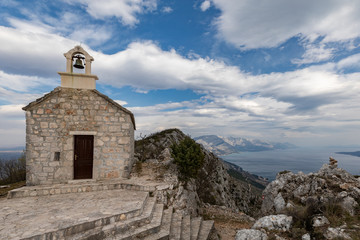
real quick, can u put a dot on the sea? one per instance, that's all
(9, 155)
(268, 163)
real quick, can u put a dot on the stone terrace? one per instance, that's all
(95, 210)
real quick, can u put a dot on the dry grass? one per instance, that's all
(227, 228)
(4, 191)
(226, 221)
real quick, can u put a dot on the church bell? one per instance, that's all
(78, 62)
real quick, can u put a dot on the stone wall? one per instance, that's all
(52, 122)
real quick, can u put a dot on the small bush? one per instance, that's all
(188, 157)
(333, 209)
(302, 215)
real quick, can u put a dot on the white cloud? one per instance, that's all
(205, 5)
(12, 126)
(85, 32)
(28, 53)
(125, 10)
(250, 25)
(314, 53)
(349, 62)
(22, 83)
(13, 97)
(34, 27)
(121, 102)
(145, 66)
(93, 36)
(167, 9)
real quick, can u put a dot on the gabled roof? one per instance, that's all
(58, 89)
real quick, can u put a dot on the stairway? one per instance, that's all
(153, 223)
(129, 214)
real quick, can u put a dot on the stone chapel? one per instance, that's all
(76, 132)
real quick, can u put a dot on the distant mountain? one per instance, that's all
(227, 145)
(13, 149)
(356, 154)
(11, 153)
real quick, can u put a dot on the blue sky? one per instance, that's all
(275, 70)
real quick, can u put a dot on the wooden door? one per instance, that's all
(83, 156)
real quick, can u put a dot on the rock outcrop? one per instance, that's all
(323, 205)
(328, 184)
(279, 222)
(213, 184)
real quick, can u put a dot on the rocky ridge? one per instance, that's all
(212, 186)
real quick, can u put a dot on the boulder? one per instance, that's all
(279, 203)
(306, 237)
(349, 204)
(274, 222)
(335, 233)
(250, 234)
(319, 221)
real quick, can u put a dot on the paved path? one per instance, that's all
(24, 217)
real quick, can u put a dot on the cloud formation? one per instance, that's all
(125, 10)
(307, 102)
(267, 24)
(205, 5)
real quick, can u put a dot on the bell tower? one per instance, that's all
(69, 79)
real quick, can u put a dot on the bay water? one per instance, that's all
(268, 163)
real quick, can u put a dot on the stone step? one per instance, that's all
(185, 228)
(79, 187)
(142, 231)
(176, 226)
(164, 232)
(205, 229)
(195, 227)
(123, 225)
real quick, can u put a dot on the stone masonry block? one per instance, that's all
(114, 128)
(126, 126)
(124, 140)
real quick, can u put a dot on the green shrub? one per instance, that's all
(188, 157)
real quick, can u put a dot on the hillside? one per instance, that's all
(356, 154)
(216, 183)
(227, 145)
